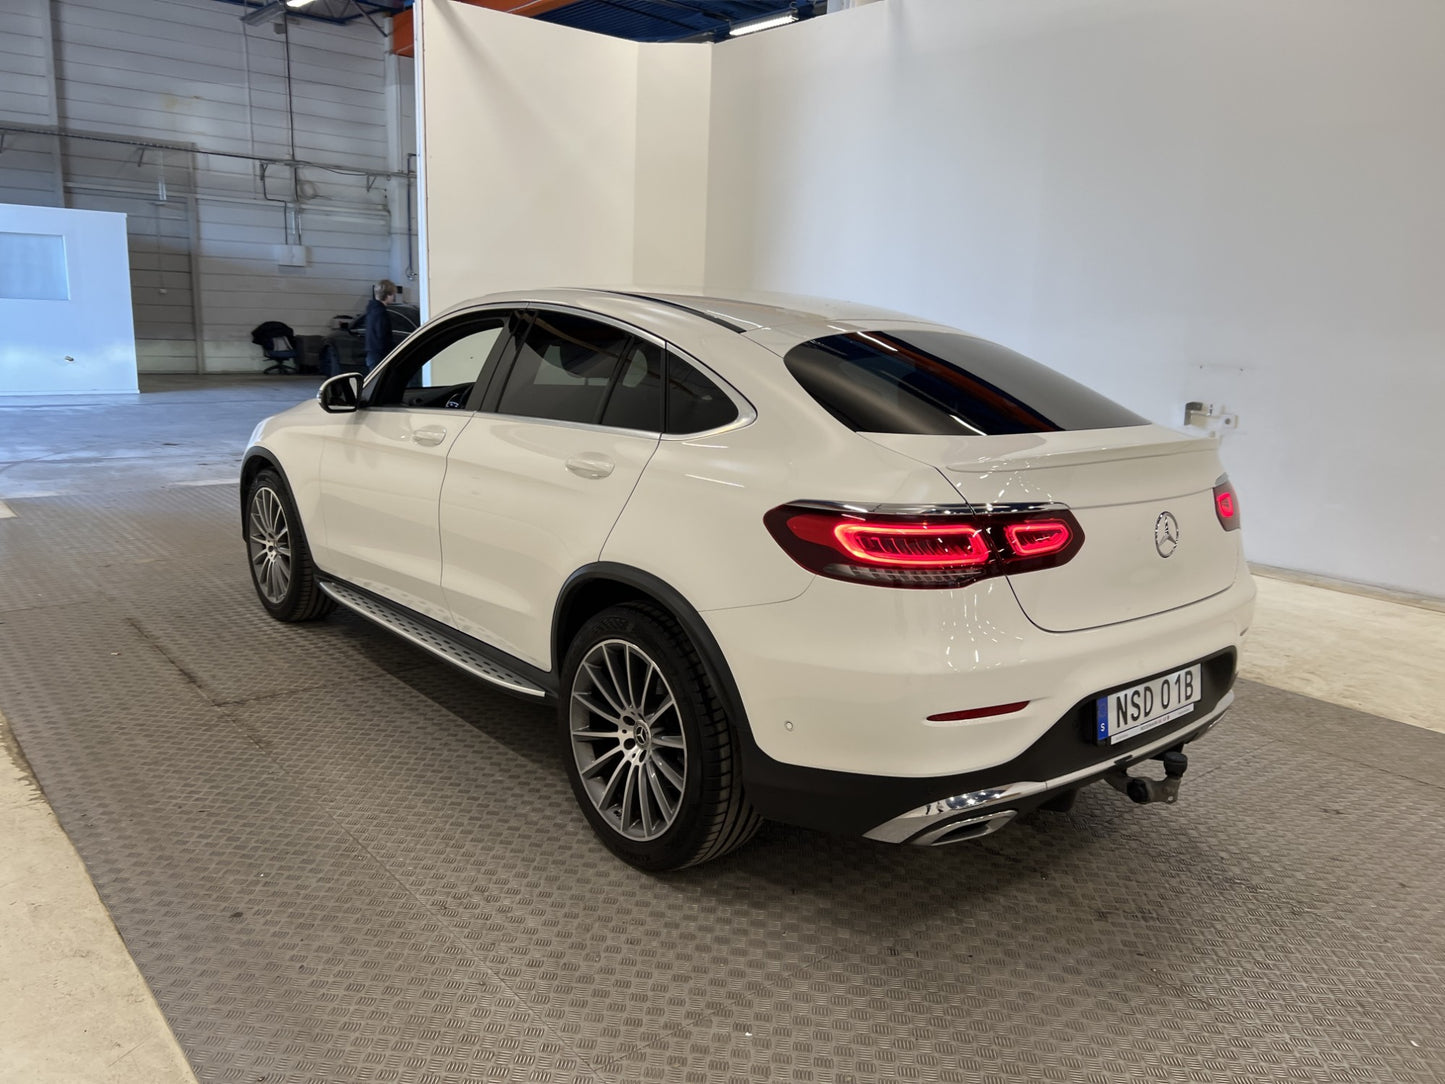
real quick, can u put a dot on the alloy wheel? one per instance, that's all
(268, 537)
(628, 740)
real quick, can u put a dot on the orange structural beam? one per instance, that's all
(403, 33)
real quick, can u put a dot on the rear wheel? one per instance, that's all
(648, 748)
(281, 568)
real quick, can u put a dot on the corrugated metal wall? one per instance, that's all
(205, 228)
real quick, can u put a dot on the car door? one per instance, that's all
(536, 481)
(381, 472)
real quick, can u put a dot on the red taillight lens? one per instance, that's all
(1038, 538)
(906, 546)
(946, 549)
(1226, 505)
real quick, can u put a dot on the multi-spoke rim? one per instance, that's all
(268, 536)
(628, 740)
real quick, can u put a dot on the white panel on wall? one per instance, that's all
(1220, 200)
(531, 162)
(64, 302)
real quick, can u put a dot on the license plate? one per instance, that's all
(1152, 703)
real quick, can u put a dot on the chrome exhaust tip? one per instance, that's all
(964, 830)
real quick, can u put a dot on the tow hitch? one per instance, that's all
(1144, 790)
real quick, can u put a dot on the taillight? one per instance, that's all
(1037, 538)
(1226, 504)
(938, 549)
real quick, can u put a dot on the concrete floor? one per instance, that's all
(77, 1008)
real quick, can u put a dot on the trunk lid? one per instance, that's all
(1122, 485)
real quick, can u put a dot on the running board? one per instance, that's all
(430, 639)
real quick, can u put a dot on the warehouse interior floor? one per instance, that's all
(330, 857)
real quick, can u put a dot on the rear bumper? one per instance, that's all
(980, 812)
(906, 810)
(845, 678)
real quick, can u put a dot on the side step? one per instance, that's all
(430, 639)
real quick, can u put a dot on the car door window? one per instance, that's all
(694, 403)
(442, 369)
(563, 369)
(635, 401)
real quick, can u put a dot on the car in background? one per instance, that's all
(806, 561)
(344, 347)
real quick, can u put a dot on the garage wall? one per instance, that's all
(1224, 200)
(28, 169)
(204, 228)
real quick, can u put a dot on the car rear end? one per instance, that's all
(1071, 603)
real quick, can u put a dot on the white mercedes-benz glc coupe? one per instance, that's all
(802, 561)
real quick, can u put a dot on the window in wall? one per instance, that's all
(563, 369)
(33, 268)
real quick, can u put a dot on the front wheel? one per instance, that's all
(281, 568)
(649, 750)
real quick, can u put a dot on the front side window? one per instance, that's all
(944, 383)
(441, 369)
(563, 369)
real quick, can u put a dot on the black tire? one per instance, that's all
(280, 561)
(711, 815)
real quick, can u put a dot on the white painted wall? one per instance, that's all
(202, 234)
(85, 342)
(530, 139)
(1191, 199)
(674, 93)
(556, 157)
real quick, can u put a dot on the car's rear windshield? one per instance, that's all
(942, 382)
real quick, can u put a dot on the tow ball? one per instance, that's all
(1143, 790)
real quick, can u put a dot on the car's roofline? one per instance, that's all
(753, 312)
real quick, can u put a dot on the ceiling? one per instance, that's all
(637, 20)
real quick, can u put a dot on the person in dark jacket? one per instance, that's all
(378, 323)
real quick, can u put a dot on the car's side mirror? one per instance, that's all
(341, 394)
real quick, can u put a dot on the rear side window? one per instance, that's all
(944, 383)
(694, 403)
(563, 369)
(636, 398)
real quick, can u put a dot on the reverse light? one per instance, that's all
(931, 548)
(1226, 504)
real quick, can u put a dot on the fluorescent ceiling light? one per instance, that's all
(298, 3)
(762, 24)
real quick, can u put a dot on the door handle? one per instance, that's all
(430, 435)
(590, 465)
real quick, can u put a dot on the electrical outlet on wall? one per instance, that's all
(1213, 418)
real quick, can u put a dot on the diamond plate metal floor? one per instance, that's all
(337, 860)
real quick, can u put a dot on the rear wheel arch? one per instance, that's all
(594, 588)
